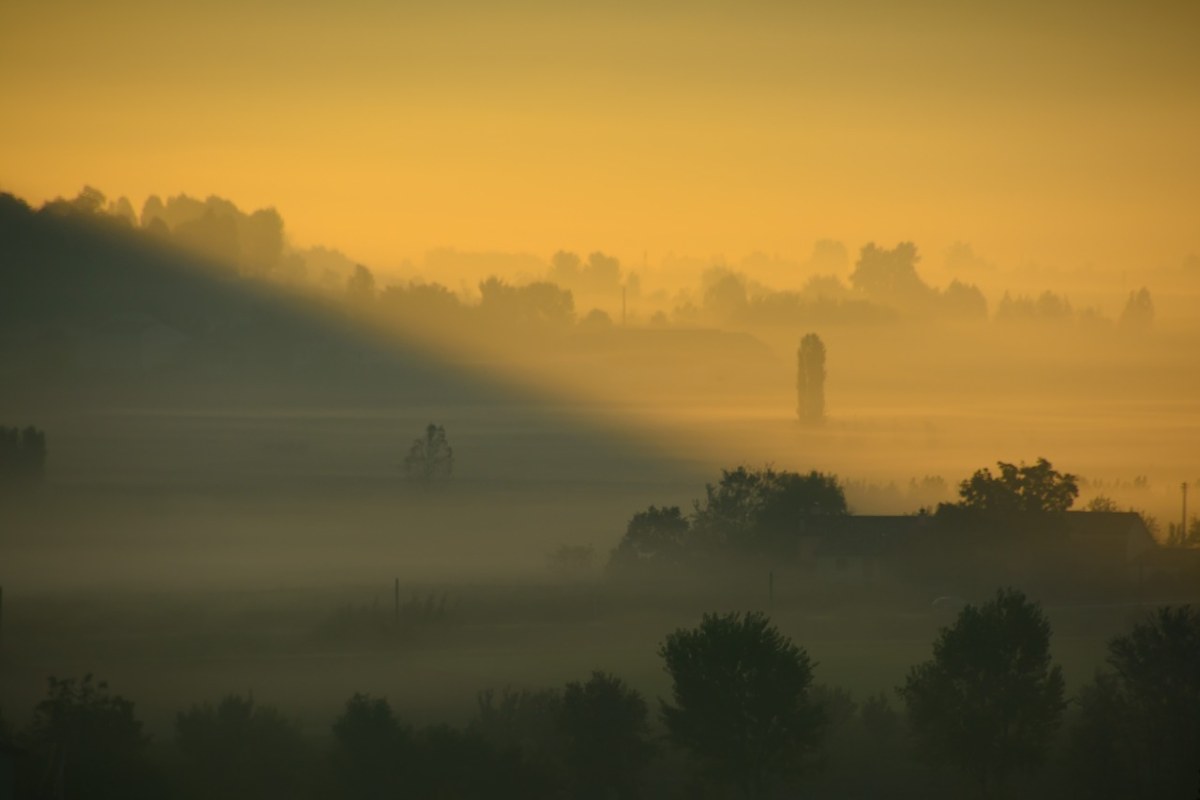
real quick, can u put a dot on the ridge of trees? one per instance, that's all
(883, 286)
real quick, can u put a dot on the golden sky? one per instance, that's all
(1062, 133)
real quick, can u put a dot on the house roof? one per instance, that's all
(878, 535)
(1106, 523)
(867, 535)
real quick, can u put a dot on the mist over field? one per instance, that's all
(228, 498)
(556, 401)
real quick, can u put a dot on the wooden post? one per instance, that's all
(1183, 528)
(396, 602)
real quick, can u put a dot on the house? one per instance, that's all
(1112, 548)
(1111, 545)
(1174, 567)
(860, 550)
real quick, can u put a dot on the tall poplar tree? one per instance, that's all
(810, 379)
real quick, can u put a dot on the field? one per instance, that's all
(185, 555)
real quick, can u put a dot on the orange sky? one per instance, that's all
(1064, 135)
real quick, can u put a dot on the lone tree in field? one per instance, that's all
(655, 538)
(741, 701)
(430, 459)
(810, 379)
(989, 701)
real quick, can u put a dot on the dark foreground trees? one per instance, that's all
(86, 742)
(743, 706)
(368, 743)
(1138, 733)
(238, 748)
(740, 701)
(989, 701)
(603, 723)
(376, 756)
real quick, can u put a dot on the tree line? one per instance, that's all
(983, 717)
(764, 512)
(883, 283)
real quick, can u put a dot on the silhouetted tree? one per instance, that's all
(371, 749)
(824, 288)
(528, 721)
(961, 257)
(989, 701)
(564, 268)
(430, 459)
(810, 379)
(239, 749)
(601, 274)
(429, 304)
(22, 455)
(1138, 733)
(462, 765)
(656, 536)
(725, 295)
(1030, 489)
(890, 275)
(538, 303)
(88, 744)
(1053, 307)
(1102, 503)
(764, 510)
(740, 701)
(1016, 309)
(964, 300)
(261, 236)
(122, 209)
(604, 726)
(829, 256)
(89, 201)
(1138, 313)
(360, 287)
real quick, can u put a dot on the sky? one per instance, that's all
(1051, 133)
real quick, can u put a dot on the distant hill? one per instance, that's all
(94, 310)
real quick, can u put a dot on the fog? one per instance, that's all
(224, 500)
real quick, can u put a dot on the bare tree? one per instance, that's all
(430, 459)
